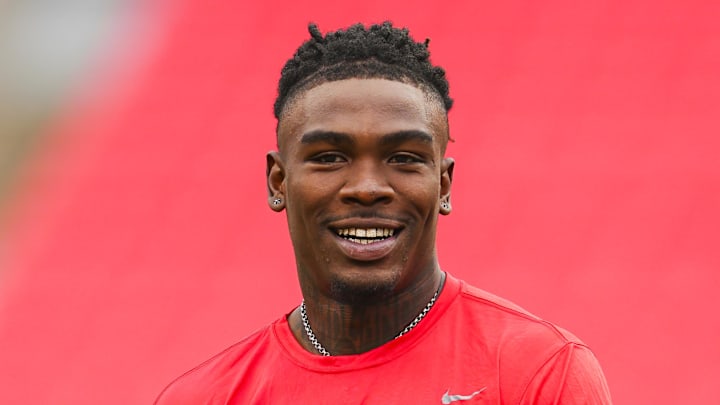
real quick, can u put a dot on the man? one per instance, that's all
(361, 174)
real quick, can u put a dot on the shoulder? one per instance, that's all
(208, 379)
(514, 321)
(518, 340)
(538, 360)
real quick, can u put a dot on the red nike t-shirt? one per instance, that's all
(471, 348)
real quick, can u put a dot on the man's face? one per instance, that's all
(362, 175)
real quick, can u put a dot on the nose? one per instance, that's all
(366, 184)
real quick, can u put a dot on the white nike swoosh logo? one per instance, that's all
(447, 398)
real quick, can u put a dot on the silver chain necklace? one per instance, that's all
(319, 347)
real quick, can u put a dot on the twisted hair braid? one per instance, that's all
(378, 51)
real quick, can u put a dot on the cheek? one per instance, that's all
(306, 199)
(302, 190)
(423, 193)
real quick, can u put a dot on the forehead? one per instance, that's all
(363, 106)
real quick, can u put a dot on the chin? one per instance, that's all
(362, 290)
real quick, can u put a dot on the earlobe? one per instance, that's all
(275, 173)
(277, 204)
(445, 207)
(446, 175)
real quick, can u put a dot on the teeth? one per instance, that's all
(363, 241)
(355, 234)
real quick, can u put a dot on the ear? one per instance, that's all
(275, 173)
(446, 175)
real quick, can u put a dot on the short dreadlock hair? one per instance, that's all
(380, 51)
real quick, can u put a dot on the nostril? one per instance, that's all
(366, 193)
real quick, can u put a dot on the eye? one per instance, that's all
(328, 158)
(405, 158)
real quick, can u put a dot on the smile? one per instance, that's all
(365, 236)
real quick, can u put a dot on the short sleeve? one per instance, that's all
(571, 376)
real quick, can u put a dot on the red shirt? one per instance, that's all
(471, 348)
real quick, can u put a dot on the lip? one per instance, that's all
(371, 251)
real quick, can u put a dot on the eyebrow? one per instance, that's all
(406, 136)
(335, 138)
(339, 138)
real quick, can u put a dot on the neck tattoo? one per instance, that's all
(319, 347)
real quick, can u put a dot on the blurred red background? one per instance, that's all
(586, 190)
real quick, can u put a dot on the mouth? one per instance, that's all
(365, 236)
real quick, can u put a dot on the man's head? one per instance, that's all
(360, 169)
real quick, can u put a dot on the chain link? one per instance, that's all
(420, 316)
(309, 331)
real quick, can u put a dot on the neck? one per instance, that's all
(345, 329)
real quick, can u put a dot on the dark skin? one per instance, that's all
(361, 174)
